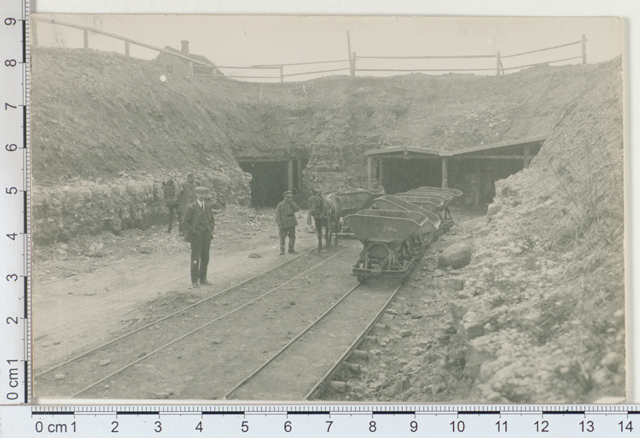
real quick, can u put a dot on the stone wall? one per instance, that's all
(61, 213)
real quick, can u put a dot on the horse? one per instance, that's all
(325, 212)
(169, 190)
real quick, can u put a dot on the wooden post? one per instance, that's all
(353, 64)
(527, 160)
(190, 68)
(86, 38)
(498, 64)
(282, 74)
(584, 49)
(369, 173)
(290, 176)
(127, 51)
(349, 49)
(299, 174)
(381, 172)
(445, 173)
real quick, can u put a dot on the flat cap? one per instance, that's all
(202, 190)
(287, 193)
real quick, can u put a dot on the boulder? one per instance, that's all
(457, 255)
(493, 209)
(478, 352)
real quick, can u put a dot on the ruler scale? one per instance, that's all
(325, 420)
(15, 322)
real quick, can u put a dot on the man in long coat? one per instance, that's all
(199, 224)
(185, 195)
(286, 220)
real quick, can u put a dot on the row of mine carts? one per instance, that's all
(395, 229)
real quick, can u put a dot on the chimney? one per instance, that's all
(185, 46)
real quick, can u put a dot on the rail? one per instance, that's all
(351, 64)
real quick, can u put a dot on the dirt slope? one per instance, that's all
(97, 114)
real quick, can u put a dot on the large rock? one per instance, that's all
(478, 352)
(493, 209)
(457, 255)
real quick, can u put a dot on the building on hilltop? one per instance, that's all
(186, 63)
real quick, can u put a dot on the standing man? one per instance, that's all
(286, 220)
(185, 196)
(198, 226)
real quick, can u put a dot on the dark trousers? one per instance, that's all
(200, 247)
(284, 232)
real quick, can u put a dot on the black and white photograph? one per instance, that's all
(401, 209)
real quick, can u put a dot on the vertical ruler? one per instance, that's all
(15, 245)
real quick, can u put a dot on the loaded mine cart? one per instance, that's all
(393, 241)
(392, 202)
(447, 194)
(351, 203)
(432, 200)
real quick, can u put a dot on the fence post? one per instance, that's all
(282, 74)
(349, 48)
(353, 64)
(127, 51)
(86, 38)
(584, 49)
(498, 64)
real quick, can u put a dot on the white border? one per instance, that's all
(628, 10)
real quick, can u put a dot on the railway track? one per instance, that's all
(78, 374)
(282, 342)
(308, 361)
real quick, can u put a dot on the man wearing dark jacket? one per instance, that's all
(286, 220)
(198, 226)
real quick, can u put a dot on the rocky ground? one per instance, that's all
(236, 227)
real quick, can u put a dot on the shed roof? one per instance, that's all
(406, 151)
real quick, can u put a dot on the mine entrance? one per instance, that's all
(473, 170)
(400, 175)
(271, 178)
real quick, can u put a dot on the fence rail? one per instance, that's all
(352, 62)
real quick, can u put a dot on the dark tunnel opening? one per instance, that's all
(270, 179)
(401, 175)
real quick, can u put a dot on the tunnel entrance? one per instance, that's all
(400, 175)
(271, 178)
(473, 170)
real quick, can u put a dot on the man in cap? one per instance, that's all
(286, 220)
(185, 196)
(198, 226)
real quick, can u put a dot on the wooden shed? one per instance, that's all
(473, 170)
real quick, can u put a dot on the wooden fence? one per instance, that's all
(350, 64)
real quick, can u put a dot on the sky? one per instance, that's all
(259, 40)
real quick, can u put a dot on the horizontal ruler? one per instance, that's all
(323, 420)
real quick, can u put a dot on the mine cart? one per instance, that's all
(431, 203)
(452, 192)
(353, 202)
(391, 202)
(392, 240)
(448, 194)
